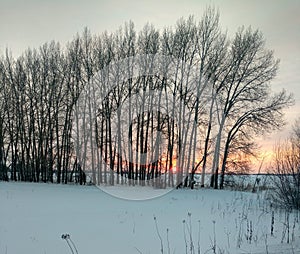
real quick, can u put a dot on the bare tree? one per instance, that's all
(250, 69)
(266, 115)
(286, 171)
(3, 122)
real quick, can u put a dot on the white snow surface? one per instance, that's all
(34, 216)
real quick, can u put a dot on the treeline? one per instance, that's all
(138, 107)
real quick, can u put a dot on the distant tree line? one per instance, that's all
(200, 113)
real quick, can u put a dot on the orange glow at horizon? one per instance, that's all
(174, 166)
(264, 161)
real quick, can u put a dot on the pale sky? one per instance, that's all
(30, 23)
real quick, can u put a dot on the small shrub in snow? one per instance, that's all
(287, 172)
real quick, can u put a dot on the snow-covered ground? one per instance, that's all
(33, 218)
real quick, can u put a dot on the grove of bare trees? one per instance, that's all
(149, 107)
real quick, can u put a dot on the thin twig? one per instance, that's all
(199, 234)
(66, 237)
(184, 234)
(168, 242)
(159, 236)
(73, 245)
(70, 246)
(191, 234)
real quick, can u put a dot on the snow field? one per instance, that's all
(33, 218)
